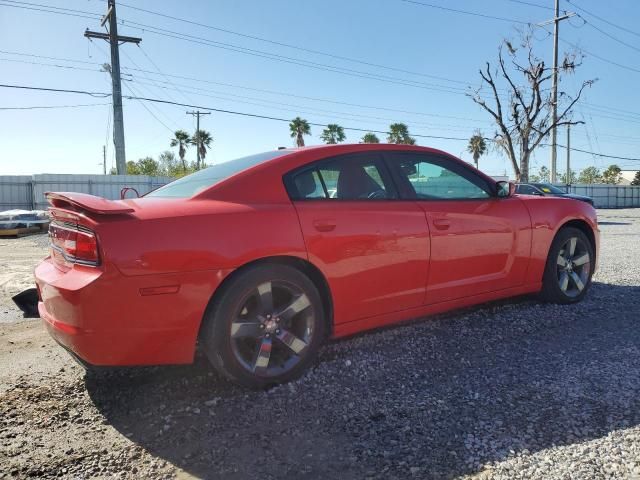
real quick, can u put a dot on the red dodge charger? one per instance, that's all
(260, 259)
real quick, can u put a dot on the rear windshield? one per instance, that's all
(190, 185)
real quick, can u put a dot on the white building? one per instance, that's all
(627, 176)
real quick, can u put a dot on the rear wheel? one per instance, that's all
(266, 327)
(569, 267)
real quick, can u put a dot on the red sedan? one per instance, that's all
(260, 259)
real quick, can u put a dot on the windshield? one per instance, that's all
(548, 188)
(190, 185)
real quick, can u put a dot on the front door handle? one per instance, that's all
(324, 225)
(441, 224)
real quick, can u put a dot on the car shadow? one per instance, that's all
(440, 397)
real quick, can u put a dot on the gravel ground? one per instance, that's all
(508, 390)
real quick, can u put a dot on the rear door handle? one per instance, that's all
(441, 224)
(325, 225)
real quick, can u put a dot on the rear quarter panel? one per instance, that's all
(548, 216)
(167, 236)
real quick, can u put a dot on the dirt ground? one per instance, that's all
(515, 389)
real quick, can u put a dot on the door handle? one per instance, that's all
(441, 224)
(324, 225)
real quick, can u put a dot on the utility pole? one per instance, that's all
(104, 159)
(114, 40)
(554, 87)
(568, 156)
(197, 114)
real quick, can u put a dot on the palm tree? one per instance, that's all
(399, 133)
(181, 139)
(477, 147)
(333, 134)
(370, 138)
(299, 127)
(202, 140)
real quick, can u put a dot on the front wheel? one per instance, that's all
(266, 327)
(569, 267)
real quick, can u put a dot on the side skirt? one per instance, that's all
(357, 326)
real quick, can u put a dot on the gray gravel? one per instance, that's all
(514, 389)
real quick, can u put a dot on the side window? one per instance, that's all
(344, 178)
(526, 190)
(308, 185)
(432, 178)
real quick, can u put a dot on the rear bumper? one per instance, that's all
(103, 318)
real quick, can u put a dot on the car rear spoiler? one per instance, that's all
(89, 203)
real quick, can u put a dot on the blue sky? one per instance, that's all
(393, 33)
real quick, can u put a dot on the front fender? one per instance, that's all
(548, 216)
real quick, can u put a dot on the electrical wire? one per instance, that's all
(38, 107)
(466, 12)
(260, 90)
(288, 45)
(603, 20)
(609, 35)
(268, 117)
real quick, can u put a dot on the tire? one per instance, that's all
(265, 327)
(567, 274)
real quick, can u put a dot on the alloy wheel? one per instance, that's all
(272, 329)
(573, 267)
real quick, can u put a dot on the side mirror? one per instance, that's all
(505, 189)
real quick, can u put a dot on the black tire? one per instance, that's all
(568, 282)
(243, 328)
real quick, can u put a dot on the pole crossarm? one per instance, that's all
(107, 37)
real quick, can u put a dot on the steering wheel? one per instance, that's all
(377, 194)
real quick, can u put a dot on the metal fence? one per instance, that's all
(26, 192)
(609, 196)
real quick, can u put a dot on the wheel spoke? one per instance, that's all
(578, 281)
(295, 307)
(564, 281)
(562, 261)
(291, 341)
(266, 298)
(581, 260)
(263, 356)
(242, 329)
(572, 245)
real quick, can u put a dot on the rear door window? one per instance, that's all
(354, 177)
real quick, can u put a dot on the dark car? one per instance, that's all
(548, 190)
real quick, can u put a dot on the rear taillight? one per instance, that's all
(72, 243)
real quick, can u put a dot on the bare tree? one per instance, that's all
(524, 115)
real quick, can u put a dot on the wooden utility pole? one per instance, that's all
(197, 114)
(554, 87)
(104, 159)
(114, 40)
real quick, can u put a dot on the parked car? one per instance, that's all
(548, 190)
(261, 259)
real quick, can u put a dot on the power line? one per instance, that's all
(609, 35)
(288, 45)
(628, 116)
(532, 4)
(272, 56)
(50, 9)
(38, 107)
(261, 90)
(68, 67)
(466, 12)
(267, 117)
(601, 58)
(603, 20)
